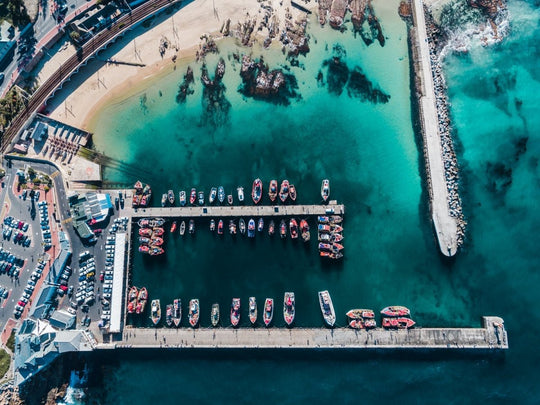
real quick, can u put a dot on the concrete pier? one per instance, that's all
(491, 336)
(446, 225)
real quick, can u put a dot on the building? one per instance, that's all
(89, 209)
(41, 129)
(62, 319)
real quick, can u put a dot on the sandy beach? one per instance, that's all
(182, 29)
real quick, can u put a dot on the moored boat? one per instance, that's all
(177, 311)
(220, 227)
(173, 227)
(397, 323)
(288, 308)
(230, 199)
(251, 228)
(170, 197)
(193, 196)
(282, 229)
(221, 194)
(141, 300)
(327, 308)
(157, 232)
(213, 195)
(156, 251)
(284, 191)
(182, 198)
(169, 315)
(256, 191)
(272, 190)
(395, 311)
(336, 228)
(143, 240)
(212, 225)
(304, 230)
(324, 228)
(361, 314)
(252, 310)
(292, 192)
(293, 228)
(268, 311)
(191, 226)
(201, 197)
(325, 189)
(155, 312)
(232, 227)
(356, 323)
(132, 299)
(214, 314)
(240, 191)
(143, 223)
(271, 228)
(242, 225)
(260, 225)
(235, 311)
(164, 199)
(144, 249)
(193, 315)
(183, 228)
(157, 241)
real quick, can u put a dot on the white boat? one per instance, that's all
(240, 190)
(327, 308)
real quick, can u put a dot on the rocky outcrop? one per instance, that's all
(324, 8)
(216, 107)
(185, 89)
(337, 13)
(358, 10)
(490, 7)
(294, 36)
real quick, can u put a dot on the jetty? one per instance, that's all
(446, 225)
(491, 336)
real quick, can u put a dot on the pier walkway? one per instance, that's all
(236, 211)
(446, 226)
(491, 336)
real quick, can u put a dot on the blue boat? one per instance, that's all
(251, 228)
(221, 194)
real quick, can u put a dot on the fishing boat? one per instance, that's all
(356, 323)
(192, 196)
(156, 222)
(395, 311)
(214, 314)
(260, 225)
(143, 240)
(324, 228)
(292, 192)
(256, 191)
(288, 308)
(240, 191)
(201, 197)
(268, 311)
(143, 223)
(193, 315)
(336, 237)
(191, 226)
(242, 226)
(132, 299)
(271, 228)
(141, 300)
(235, 311)
(304, 230)
(272, 190)
(293, 228)
(182, 227)
(232, 227)
(325, 189)
(212, 225)
(326, 246)
(156, 251)
(221, 194)
(284, 191)
(157, 232)
(360, 314)
(173, 227)
(164, 199)
(282, 229)
(252, 310)
(182, 197)
(230, 199)
(212, 196)
(156, 241)
(397, 323)
(337, 247)
(144, 249)
(251, 228)
(170, 197)
(336, 228)
(370, 323)
(335, 219)
(155, 312)
(145, 232)
(327, 308)
(168, 315)
(220, 227)
(177, 312)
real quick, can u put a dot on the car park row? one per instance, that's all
(10, 264)
(29, 289)
(17, 228)
(45, 225)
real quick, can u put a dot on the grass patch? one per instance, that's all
(11, 342)
(5, 360)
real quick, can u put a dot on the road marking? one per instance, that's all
(53, 175)
(67, 221)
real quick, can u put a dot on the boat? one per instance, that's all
(272, 190)
(155, 312)
(132, 299)
(242, 226)
(292, 193)
(235, 311)
(251, 228)
(183, 228)
(168, 315)
(324, 228)
(143, 240)
(240, 191)
(157, 232)
(337, 246)
(212, 225)
(282, 229)
(156, 241)
(201, 197)
(356, 323)
(304, 230)
(221, 194)
(293, 228)
(336, 228)
(141, 300)
(143, 223)
(370, 323)
(325, 189)
(177, 312)
(232, 227)
(252, 310)
(145, 232)
(182, 198)
(220, 227)
(138, 186)
(144, 249)
(193, 314)
(212, 196)
(397, 323)
(173, 227)
(271, 228)
(327, 308)
(156, 251)
(361, 314)
(191, 226)
(170, 197)
(192, 196)
(288, 308)
(395, 311)
(256, 191)
(335, 219)
(230, 199)
(214, 315)
(326, 246)
(268, 313)
(260, 225)
(284, 191)
(164, 199)
(336, 237)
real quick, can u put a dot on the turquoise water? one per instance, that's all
(370, 154)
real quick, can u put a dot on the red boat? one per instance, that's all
(337, 246)
(173, 227)
(146, 232)
(336, 228)
(397, 323)
(235, 311)
(337, 237)
(361, 314)
(144, 249)
(284, 191)
(271, 228)
(370, 323)
(304, 230)
(193, 196)
(158, 232)
(220, 227)
(256, 191)
(395, 311)
(141, 300)
(283, 229)
(272, 191)
(156, 251)
(156, 241)
(293, 228)
(356, 324)
(292, 192)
